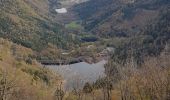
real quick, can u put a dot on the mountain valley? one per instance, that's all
(84, 49)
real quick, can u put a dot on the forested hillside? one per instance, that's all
(31, 23)
(141, 26)
(118, 17)
(150, 42)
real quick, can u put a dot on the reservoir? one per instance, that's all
(61, 10)
(76, 75)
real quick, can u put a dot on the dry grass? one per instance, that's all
(27, 86)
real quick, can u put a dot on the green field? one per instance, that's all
(74, 26)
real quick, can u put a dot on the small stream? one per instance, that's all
(76, 75)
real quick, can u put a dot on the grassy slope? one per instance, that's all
(31, 80)
(74, 26)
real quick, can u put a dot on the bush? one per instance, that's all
(1, 58)
(87, 88)
(29, 61)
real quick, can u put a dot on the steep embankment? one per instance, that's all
(24, 77)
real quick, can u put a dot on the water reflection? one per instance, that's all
(75, 75)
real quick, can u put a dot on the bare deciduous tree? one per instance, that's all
(59, 93)
(7, 86)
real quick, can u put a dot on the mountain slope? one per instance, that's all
(118, 17)
(25, 78)
(141, 26)
(31, 23)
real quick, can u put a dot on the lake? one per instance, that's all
(75, 75)
(61, 10)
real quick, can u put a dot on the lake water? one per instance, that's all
(75, 75)
(61, 10)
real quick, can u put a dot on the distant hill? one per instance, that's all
(118, 17)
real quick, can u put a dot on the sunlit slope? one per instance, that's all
(27, 79)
